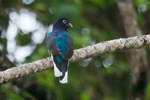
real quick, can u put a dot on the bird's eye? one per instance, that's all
(64, 21)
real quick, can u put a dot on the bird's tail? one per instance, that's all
(64, 77)
(61, 69)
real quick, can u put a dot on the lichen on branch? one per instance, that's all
(79, 54)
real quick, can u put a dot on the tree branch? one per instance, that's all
(79, 54)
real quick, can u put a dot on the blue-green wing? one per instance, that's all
(70, 48)
(52, 46)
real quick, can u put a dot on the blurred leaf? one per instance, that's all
(140, 2)
(46, 78)
(68, 11)
(24, 39)
(84, 96)
(11, 95)
(148, 91)
(40, 6)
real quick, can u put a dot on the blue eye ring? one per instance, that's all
(64, 21)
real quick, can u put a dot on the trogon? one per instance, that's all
(60, 45)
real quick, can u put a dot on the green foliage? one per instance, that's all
(10, 94)
(40, 6)
(23, 39)
(84, 96)
(46, 78)
(106, 77)
(148, 91)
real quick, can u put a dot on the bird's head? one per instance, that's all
(62, 23)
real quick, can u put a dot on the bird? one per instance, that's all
(60, 45)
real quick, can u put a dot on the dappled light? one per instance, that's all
(27, 2)
(107, 62)
(113, 72)
(26, 22)
(22, 52)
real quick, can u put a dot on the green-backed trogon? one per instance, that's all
(60, 45)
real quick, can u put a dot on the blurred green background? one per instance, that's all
(24, 25)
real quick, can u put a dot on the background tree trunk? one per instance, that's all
(138, 57)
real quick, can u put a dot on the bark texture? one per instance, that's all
(79, 54)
